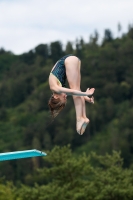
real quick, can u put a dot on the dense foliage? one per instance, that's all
(85, 177)
(25, 121)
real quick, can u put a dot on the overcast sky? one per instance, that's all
(24, 24)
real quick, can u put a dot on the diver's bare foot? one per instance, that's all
(84, 126)
(79, 125)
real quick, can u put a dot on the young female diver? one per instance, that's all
(69, 67)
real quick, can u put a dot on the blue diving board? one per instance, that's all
(21, 154)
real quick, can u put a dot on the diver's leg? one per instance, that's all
(72, 65)
(84, 116)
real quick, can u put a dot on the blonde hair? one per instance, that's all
(55, 106)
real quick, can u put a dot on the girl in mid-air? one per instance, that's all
(69, 67)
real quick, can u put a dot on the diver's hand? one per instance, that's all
(90, 91)
(89, 99)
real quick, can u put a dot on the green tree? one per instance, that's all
(56, 51)
(7, 191)
(69, 48)
(82, 177)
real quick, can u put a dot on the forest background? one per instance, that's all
(101, 159)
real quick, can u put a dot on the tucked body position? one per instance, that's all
(68, 67)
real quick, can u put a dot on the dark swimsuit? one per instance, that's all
(59, 70)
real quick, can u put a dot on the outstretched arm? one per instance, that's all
(58, 89)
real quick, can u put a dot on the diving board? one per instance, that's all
(21, 154)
